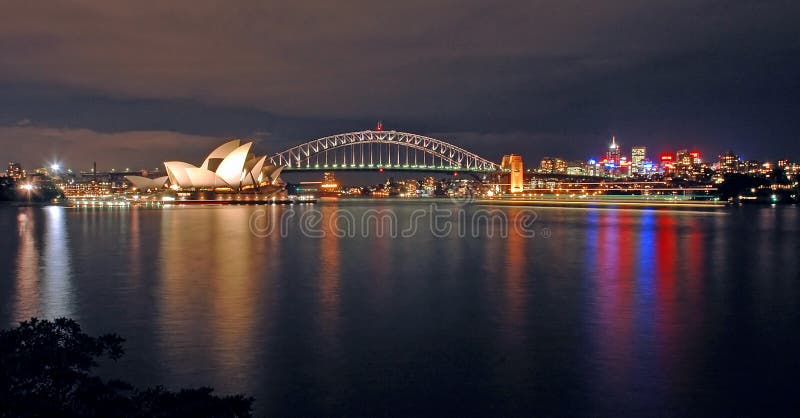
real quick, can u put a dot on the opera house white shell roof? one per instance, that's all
(231, 165)
(145, 183)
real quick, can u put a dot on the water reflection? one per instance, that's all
(667, 325)
(233, 296)
(513, 284)
(44, 276)
(27, 274)
(644, 268)
(209, 295)
(636, 312)
(330, 276)
(610, 273)
(134, 244)
(57, 294)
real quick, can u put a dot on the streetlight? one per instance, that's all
(27, 187)
(55, 168)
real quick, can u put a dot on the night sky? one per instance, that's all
(131, 85)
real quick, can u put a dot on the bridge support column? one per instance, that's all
(513, 163)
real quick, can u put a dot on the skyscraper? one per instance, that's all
(638, 155)
(683, 158)
(613, 155)
(667, 163)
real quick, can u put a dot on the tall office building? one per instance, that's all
(667, 163)
(638, 155)
(697, 159)
(513, 163)
(614, 154)
(683, 158)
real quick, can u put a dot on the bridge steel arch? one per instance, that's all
(387, 144)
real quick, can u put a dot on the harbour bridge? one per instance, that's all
(379, 150)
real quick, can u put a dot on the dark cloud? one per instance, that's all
(558, 76)
(118, 150)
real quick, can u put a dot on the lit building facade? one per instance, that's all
(728, 163)
(552, 165)
(614, 164)
(638, 157)
(231, 166)
(15, 171)
(513, 163)
(614, 153)
(577, 168)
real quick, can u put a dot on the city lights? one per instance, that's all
(678, 175)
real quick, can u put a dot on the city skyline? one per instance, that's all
(234, 172)
(625, 151)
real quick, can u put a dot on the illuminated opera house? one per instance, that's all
(231, 167)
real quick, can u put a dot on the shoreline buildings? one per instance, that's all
(232, 169)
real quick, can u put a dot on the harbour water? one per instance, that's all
(599, 312)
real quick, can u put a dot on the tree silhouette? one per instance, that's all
(736, 184)
(45, 371)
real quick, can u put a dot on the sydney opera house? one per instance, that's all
(231, 167)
